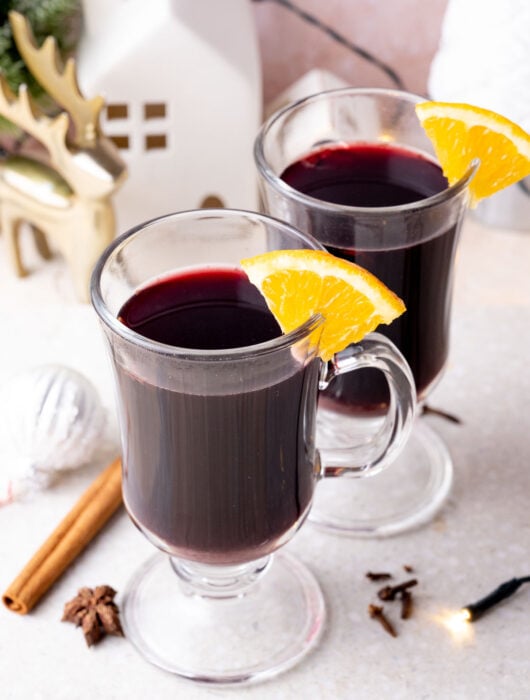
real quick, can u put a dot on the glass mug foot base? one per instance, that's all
(226, 642)
(406, 495)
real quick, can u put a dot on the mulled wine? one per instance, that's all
(216, 477)
(382, 175)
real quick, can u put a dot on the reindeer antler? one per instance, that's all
(22, 111)
(45, 65)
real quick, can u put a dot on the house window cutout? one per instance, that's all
(212, 201)
(117, 111)
(154, 110)
(122, 142)
(155, 141)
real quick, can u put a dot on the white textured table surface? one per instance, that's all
(480, 538)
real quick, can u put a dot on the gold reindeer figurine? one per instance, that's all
(66, 200)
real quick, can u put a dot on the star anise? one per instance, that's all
(96, 612)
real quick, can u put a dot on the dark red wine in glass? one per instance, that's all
(216, 478)
(381, 175)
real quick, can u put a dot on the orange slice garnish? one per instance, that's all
(461, 133)
(297, 284)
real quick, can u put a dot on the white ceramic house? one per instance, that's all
(182, 85)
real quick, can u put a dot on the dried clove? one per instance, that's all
(378, 575)
(406, 604)
(429, 410)
(390, 592)
(400, 592)
(376, 613)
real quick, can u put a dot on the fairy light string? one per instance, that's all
(474, 611)
(341, 39)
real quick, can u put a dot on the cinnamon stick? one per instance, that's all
(101, 499)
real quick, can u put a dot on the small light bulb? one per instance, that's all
(457, 624)
(464, 615)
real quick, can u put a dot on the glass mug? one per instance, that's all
(218, 439)
(403, 226)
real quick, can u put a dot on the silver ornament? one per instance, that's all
(51, 419)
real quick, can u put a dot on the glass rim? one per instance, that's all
(112, 322)
(267, 172)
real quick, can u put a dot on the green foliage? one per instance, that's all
(59, 18)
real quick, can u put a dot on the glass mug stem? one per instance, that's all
(218, 581)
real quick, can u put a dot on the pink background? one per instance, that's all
(402, 33)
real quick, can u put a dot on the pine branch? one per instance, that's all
(58, 18)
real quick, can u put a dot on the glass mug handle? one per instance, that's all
(374, 351)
